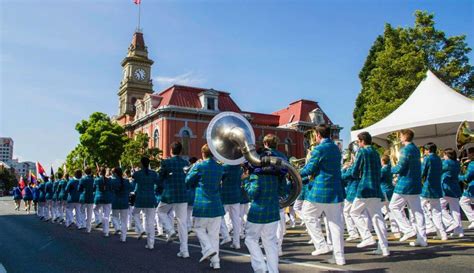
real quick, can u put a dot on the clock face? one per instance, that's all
(139, 74)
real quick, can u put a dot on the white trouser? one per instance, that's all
(234, 214)
(281, 229)
(454, 213)
(87, 216)
(130, 217)
(136, 213)
(244, 210)
(207, 231)
(465, 203)
(328, 230)
(190, 217)
(159, 225)
(149, 224)
(62, 210)
(292, 213)
(270, 243)
(386, 210)
(334, 214)
(397, 205)
(298, 208)
(432, 210)
(181, 213)
(122, 220)
(76, 207)
(49, 209)
(115, 219)
(373, 206)
(41, 209)
(350, 225)
(102, 211)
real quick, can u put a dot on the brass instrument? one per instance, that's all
(395, 147)
(297, 163)
(464, 135)
(231, 140)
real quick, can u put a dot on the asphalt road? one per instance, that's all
(29, 245)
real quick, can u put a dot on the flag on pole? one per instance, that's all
(52, 172)
(40, 170)
(64, 166)
(32, 178)
(137, 2)
(21, 184)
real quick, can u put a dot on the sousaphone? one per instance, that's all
(231, 139)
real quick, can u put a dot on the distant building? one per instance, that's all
(6, 149)
(6, 157)
(182, 113)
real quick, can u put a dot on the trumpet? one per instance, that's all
(297, 163)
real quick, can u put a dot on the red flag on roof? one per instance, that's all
(137, 2)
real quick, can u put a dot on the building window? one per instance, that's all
(288, 147)
(156, 139)
(211, 105)
(185, 137)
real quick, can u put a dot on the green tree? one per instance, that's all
(101, 142)
(7, 178)
(136, 148)
(397, 62)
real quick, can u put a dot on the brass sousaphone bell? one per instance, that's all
(464, 135)
(231, 139)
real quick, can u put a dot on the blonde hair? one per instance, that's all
(271, 141)
(206, 152)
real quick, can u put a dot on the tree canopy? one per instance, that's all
(398, 61)
(137, 148)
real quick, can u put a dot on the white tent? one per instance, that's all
(433, 111)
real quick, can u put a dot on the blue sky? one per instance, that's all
(60, 60)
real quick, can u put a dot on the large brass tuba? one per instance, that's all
(231, 140)
(395, 145)
(464, 135)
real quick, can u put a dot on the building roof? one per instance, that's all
(137, 41)
(299, 111)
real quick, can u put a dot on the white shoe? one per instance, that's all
(208, 254)
(383, 252)
(183, 255)
(397, 235)
(419, 243)
(451, 228)
(471, 226)
(338, 262)
(408, 236)
(225, 240)
(234, 246)
(310, 242)
(367, 242)
(149, 247)
(170, 236)
(444, 237)
(352, 238)
(321, 251)
(215, 265)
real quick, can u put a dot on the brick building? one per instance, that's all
(182, 113)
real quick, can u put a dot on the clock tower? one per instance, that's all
(136, 80)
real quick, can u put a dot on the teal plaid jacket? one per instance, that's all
(206, 177)
(121, 189)
(62, 196)
(42, 193)
(171, 178)
(72, 190)
(145, 188)
(367, 167)
(48, 190)
(431, 174)
(55, 190)
(350, 183)
(450, 178)
(86, 188)
(468, 177)
(408, 170)
(325, 166)
(103, 190)
(231, 182)
(386, 181)
(244, 198)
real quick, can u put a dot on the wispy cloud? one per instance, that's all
(189, 78)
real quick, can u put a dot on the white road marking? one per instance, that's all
(285, 261)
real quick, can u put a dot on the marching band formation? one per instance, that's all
(412, 199)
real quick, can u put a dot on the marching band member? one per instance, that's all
(63, 197)
(230, 194)
(468, 194)
(17, 197)
(206, 177)
(35, 191)
(55, 201)
(72, 191)
(326, 195)
(28, 196)
(387, 187)
(49, 198)
(244, 202)
(350, 190)
(367, 167)
(407, 191)
(145, 199)
(432, 192)
(264, 188)
(452, 191)
(121, 188)
(171, 178)
(86, 188)
(103, 200)
(191, 194)
(42, 200)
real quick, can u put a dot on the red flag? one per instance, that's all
(40, 170)
(137, 2)
(21, 184)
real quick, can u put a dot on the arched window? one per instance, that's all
(156, 139)
(185, 137)
(288, 147)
